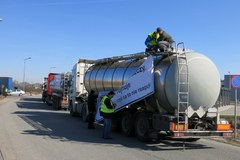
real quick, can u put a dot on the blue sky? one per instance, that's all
(56, 33)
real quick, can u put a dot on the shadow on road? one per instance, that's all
(32, 103)
(59, 125)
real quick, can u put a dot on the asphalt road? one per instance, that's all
(30, 130)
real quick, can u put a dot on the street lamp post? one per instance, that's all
(50, 69)
(24, 72)
(230, 88)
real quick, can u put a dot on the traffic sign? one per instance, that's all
(235, 81)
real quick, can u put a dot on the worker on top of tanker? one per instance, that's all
(158, 40)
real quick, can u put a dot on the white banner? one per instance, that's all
(136, 88)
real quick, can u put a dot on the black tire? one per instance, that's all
(55, 103)
(127, 123)
(20, 94)
(116, 124)
(47, 101)
(59, 107)
(72, 113)
(142, 127)
(192, 139)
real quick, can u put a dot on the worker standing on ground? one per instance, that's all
(158, 40)
(91, 108)
(6, 92)
(107, 111)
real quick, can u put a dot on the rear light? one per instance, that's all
(223, 127)
(179, 127)
(227, 134)
(178, 134)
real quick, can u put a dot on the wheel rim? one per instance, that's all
(126, 123)
(141, 127)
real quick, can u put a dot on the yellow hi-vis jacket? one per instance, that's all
(152, 40)
(104, 108)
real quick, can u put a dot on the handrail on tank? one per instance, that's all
(180, 43)
(126, 57)
(137, 55)
(89, 61)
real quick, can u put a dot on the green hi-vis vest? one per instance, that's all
(104, 108)
(154, 40)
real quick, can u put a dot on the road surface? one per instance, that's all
(30, 130)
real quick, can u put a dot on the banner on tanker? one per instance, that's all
(136, 88)
(56, 81)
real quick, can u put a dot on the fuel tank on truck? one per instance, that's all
(55, 83)
(203, 78)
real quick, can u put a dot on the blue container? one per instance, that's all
(5, 82)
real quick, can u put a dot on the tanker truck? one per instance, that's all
(171, 92)
(77, 90)
(56, 91)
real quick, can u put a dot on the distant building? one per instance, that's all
(227, 84)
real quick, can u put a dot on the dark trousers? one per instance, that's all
(107, 127)
(152, 49)
(91, 119)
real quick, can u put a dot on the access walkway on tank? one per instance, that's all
(139, 55)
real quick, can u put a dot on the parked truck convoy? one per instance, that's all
(186, 87)
(55, 90)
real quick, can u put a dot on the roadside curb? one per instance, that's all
(234, 142)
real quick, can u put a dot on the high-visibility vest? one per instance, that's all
(104, 108)
(154, 40)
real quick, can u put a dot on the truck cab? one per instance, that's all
(77, 91)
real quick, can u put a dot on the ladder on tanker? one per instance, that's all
(65, 84)
(182, 87)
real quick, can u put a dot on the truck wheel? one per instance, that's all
(72, 113)
(84, 114)
(47, 101)
(127, 123)
(192, 139)
(54, 103)
(142, 127)
(59, 107)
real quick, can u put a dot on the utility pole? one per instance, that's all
(235, 82)
(24, 68)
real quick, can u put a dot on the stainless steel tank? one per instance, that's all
(56, 82)
(204, 80)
